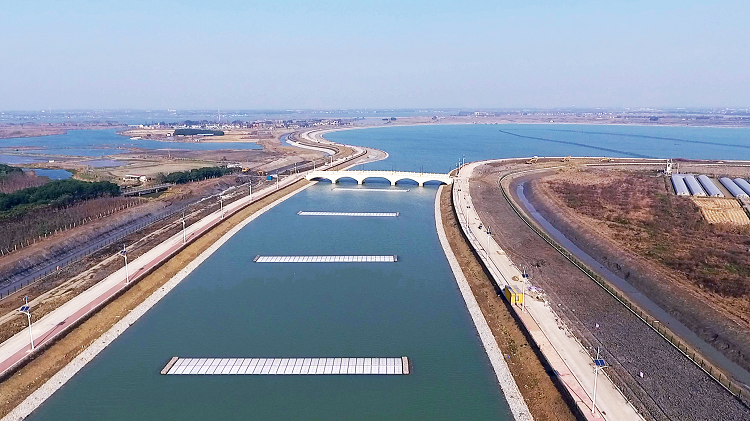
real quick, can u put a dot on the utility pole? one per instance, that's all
(221, 204)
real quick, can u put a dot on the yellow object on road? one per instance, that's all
(513, 295)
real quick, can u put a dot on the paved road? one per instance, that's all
(573, 364)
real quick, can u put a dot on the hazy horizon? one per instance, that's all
(377, 55)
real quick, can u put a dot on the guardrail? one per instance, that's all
(736, 389)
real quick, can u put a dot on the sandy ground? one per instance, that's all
(672, 388)
(529, 369)
(36, 372)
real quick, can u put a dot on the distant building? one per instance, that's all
(133, 177)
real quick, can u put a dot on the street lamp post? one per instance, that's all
(124, 254)
(26, 309)
(599, 364)
(183, 228)
(221, 206)
(489, 233)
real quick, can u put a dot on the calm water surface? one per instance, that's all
(53, 174)
(232, 307)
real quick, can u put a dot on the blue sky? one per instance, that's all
(373, 54)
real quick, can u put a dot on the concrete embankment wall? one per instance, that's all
(508, 385)
(38, 397)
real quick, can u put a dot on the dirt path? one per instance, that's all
(530, 371)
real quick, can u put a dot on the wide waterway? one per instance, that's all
(233, 307)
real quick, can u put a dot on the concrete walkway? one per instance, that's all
(573, 364)
(508, 385)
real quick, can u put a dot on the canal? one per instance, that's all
(233, 307)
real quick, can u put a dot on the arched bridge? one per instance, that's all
(392, 176)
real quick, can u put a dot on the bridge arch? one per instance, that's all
(322, 178)
(381, 178)
(396, 180)
(347, 177)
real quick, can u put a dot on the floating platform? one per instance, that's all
(326, 259)
(389, 190)
(370, 214)
(291, 366)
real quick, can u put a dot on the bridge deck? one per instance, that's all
(283, 366)
(368, 189)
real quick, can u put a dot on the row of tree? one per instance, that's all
(57, 193)
(193, 132)
(21, 180)
(6, 170)
(181, 177)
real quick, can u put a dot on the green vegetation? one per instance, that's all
(193, 132)
(182, 177)
(6, 170)
(57, 193)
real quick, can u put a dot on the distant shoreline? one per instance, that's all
(18, 131)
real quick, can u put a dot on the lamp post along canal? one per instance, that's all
(489, 233)
(599, 364)
(183, 228)
(124, 254)
(26, 309)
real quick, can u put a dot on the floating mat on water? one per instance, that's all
(372, 214)
(326, 259)
(279, 366)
